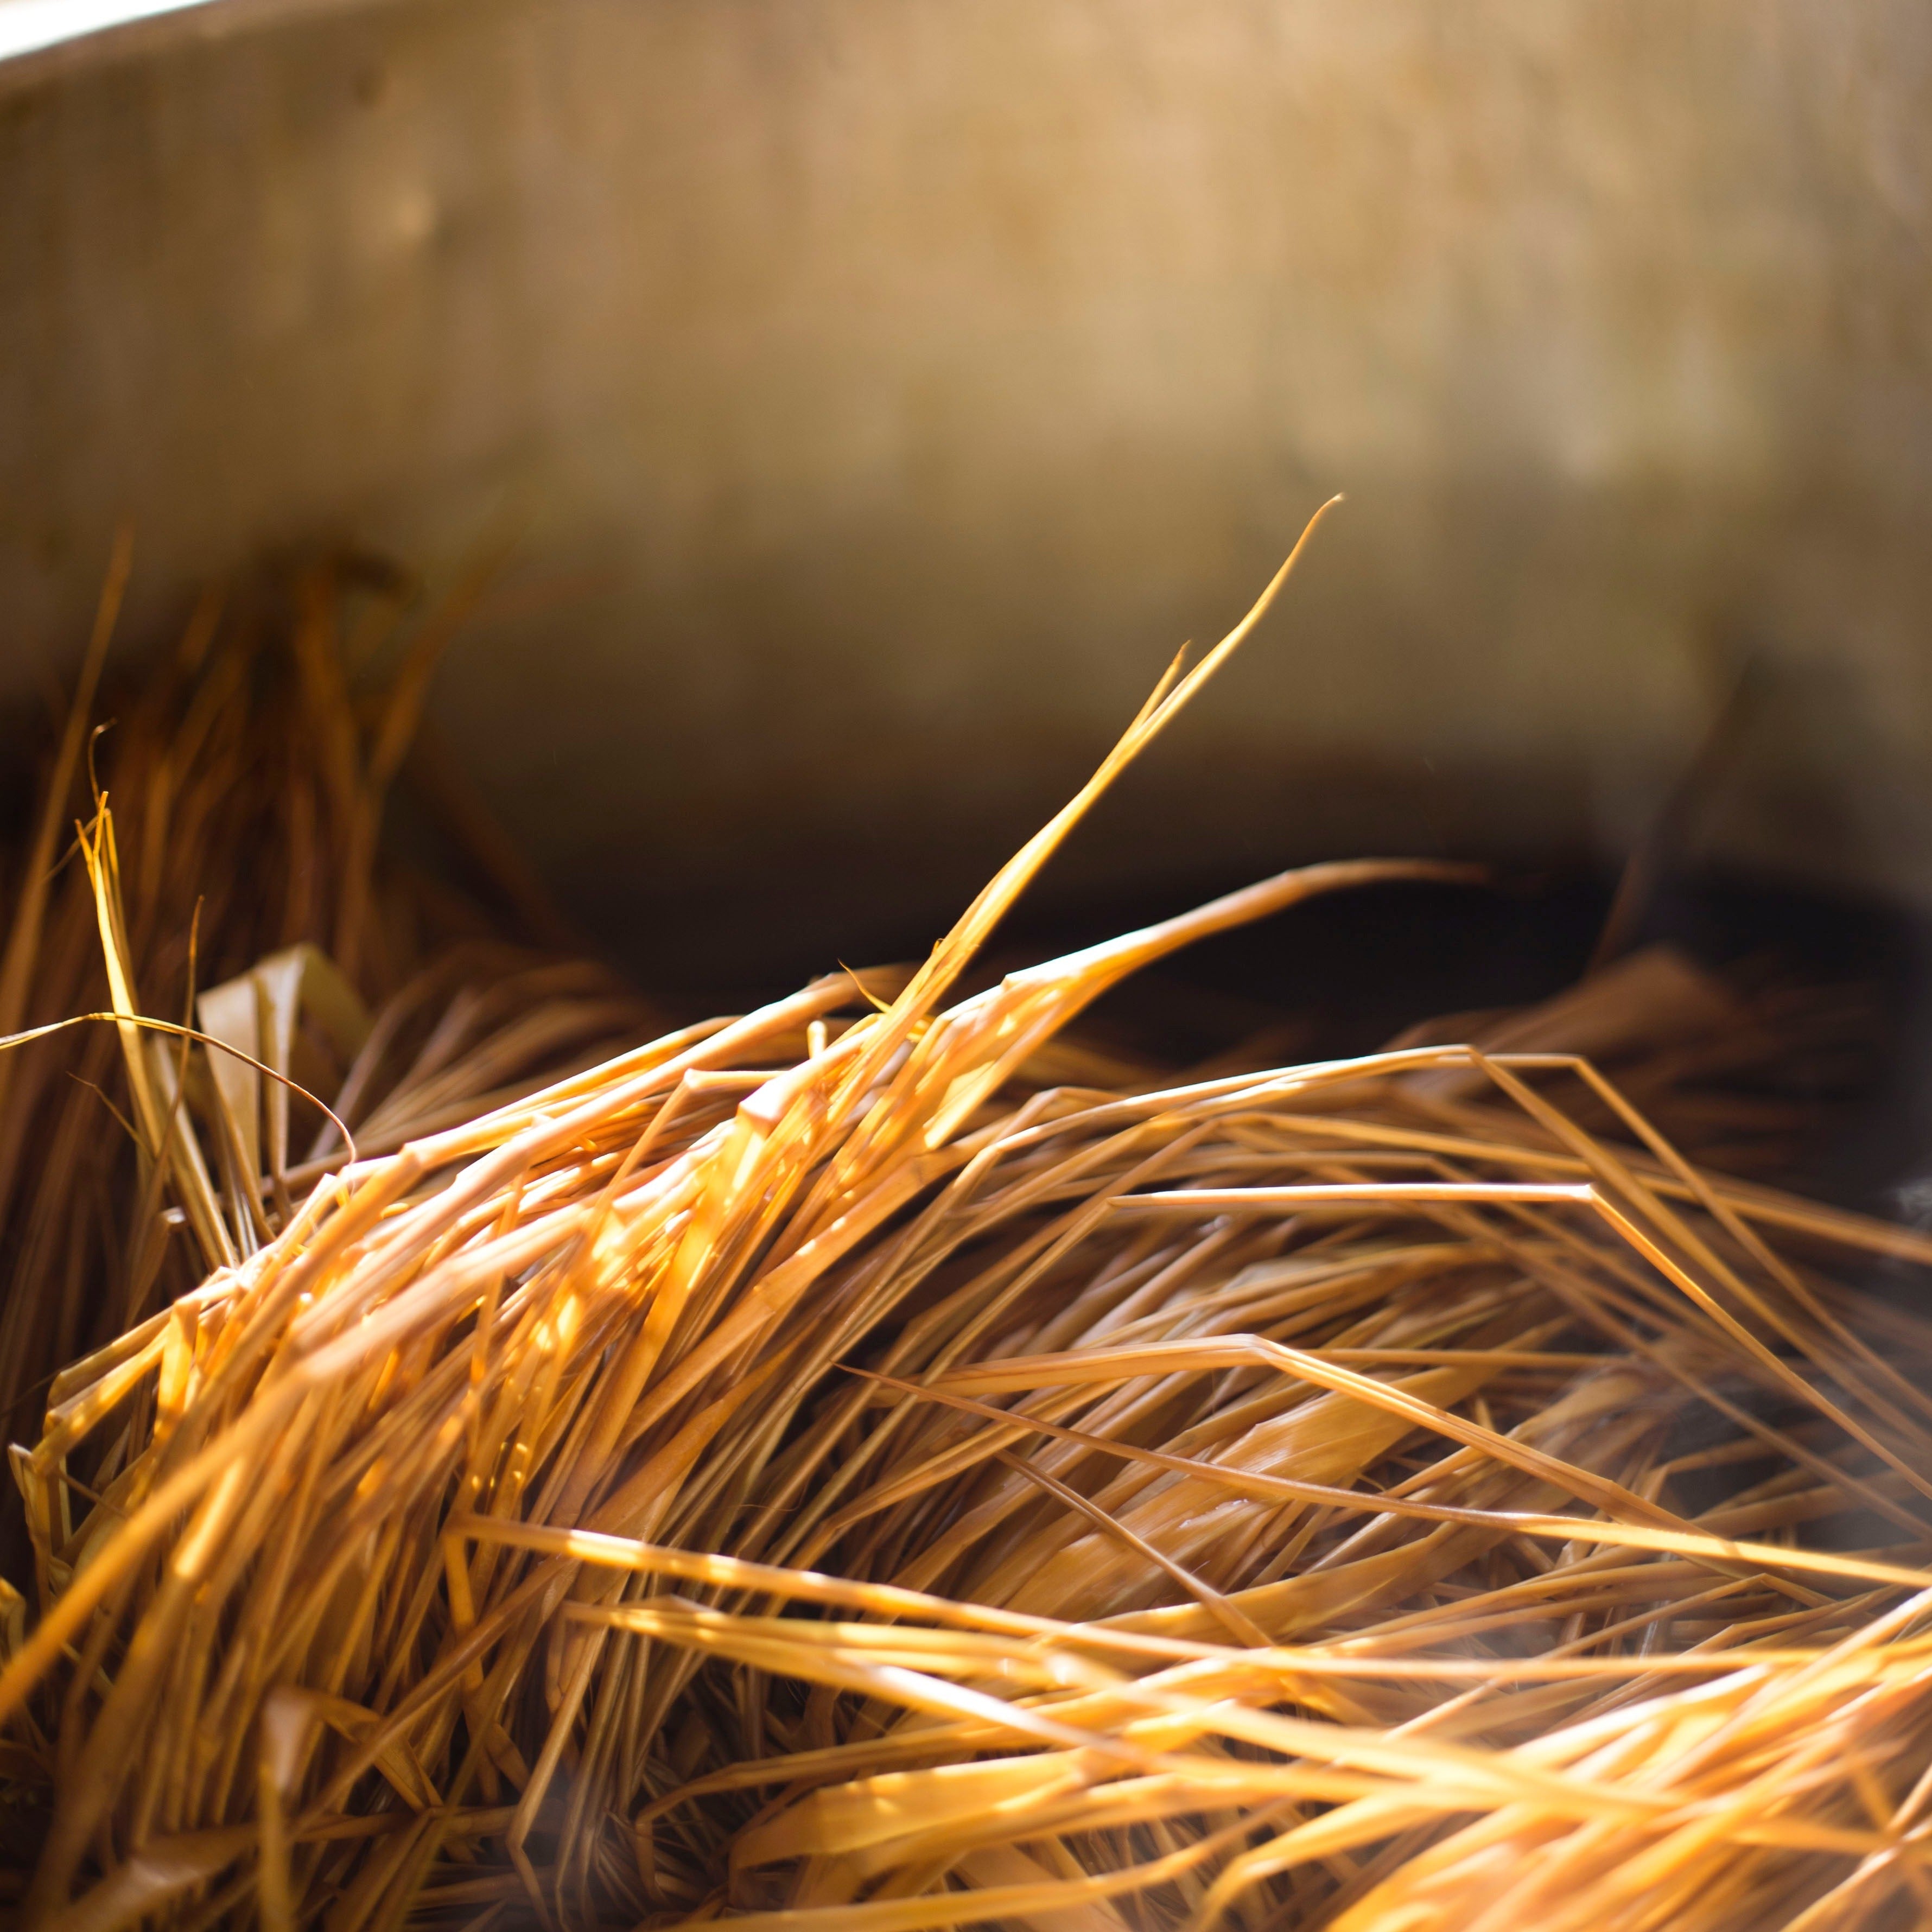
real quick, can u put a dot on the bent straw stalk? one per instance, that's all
(819, 1470)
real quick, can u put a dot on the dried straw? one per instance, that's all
(826, 1469)
(249, 772)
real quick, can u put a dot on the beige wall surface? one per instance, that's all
(882, 389)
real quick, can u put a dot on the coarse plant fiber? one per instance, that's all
(856, 1465)
(250, 771)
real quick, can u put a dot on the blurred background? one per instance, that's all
(873, 394)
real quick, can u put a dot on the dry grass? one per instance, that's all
(249, 772)
(857, 1465)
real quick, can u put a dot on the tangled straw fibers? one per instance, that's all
(853, 1465)
(248, 778)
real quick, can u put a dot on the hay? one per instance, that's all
(826, 1468)
(249, 773)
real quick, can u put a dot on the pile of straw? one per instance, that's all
(249, 773)
(830, 1468)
